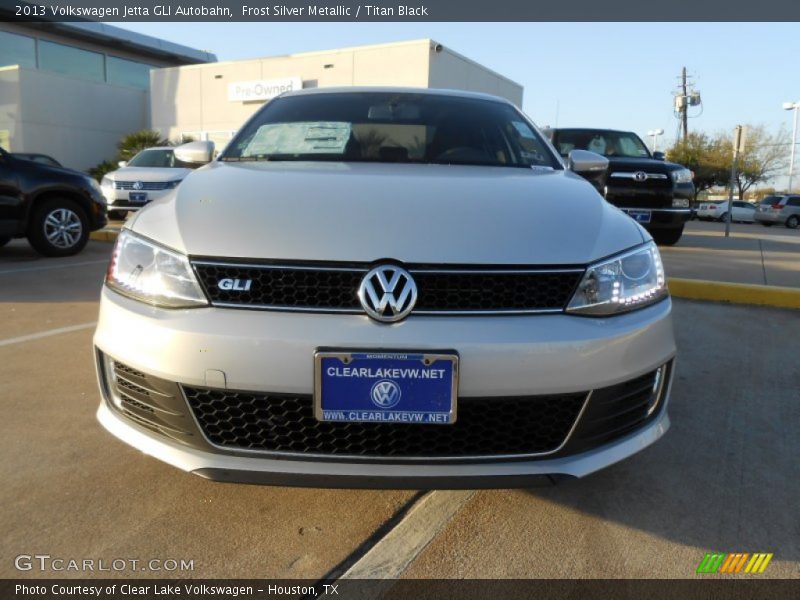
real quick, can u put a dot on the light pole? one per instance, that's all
(654, 133)
(792, 106)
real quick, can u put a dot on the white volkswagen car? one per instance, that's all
(148, 176)
(386, 288)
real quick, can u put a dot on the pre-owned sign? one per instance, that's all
(262, 89)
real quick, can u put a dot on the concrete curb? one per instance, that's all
(692, 289)
(104, 235)
(736, 293)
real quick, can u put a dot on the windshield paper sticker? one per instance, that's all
(299, 138)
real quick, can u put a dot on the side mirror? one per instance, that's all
(584, 162)
(659, 156)
(195, 152)
(122, 164)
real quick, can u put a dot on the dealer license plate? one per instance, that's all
(641, 216)
(137, 196)
(386, 387)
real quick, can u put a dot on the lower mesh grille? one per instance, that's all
(286, 423)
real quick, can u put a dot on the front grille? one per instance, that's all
(332, 289)
(486, 428)
(285, 423)
(147, 186)
(615, 411)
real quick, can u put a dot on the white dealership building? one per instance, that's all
(72, 90)
(211, 101)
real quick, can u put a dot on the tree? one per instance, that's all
(133, 143)
(99, 171)
(703, 156)
(763, 158)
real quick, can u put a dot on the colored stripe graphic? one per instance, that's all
(758, 563)
(718, 562)
(710, 563)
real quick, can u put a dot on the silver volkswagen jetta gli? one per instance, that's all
(386, 288)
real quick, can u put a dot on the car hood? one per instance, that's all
(650, 164)
(366, 212)
(148, 174)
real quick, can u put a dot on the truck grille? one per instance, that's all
(485, 427)
(334, 288)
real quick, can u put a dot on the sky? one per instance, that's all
(615, 75)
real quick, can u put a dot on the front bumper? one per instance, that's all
(270, 351)
(665, 218)
(120, 200)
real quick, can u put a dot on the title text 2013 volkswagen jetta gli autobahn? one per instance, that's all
(385, 288)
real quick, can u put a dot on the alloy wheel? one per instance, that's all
(63, 228)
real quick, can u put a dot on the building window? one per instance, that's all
(17, 50)
(128, 72)
(71, 61)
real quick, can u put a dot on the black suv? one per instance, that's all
(656, 193)
(54, 207)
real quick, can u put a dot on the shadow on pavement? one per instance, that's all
(726, 476)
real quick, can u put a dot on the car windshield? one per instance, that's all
(770, 200)
(608, 143)
(391, 128)
(155, 158)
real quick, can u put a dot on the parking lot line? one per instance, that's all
(60, 266)
(44, 334)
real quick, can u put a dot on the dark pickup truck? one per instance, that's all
(658, 194)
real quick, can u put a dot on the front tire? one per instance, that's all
(667, 237)
(724, 217)
(793, 222)
(59, 228)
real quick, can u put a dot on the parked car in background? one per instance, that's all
(777, 210)
(55, 208)
(40, 158)
(146, 177)
(656, 193)
(743, 212)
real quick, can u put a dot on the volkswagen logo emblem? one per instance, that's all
(640, 176)
(137, 185)
(385, 394)
(388, 293)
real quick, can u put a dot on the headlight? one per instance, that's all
(107, 183)
(171, 185)
(626, 282)
(682, 176)
(151, 273)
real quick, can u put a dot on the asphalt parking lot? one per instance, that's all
(725, 478)
(753, 254)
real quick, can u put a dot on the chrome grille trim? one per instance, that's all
(421, 270)
(147, 186)
(632, 174)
